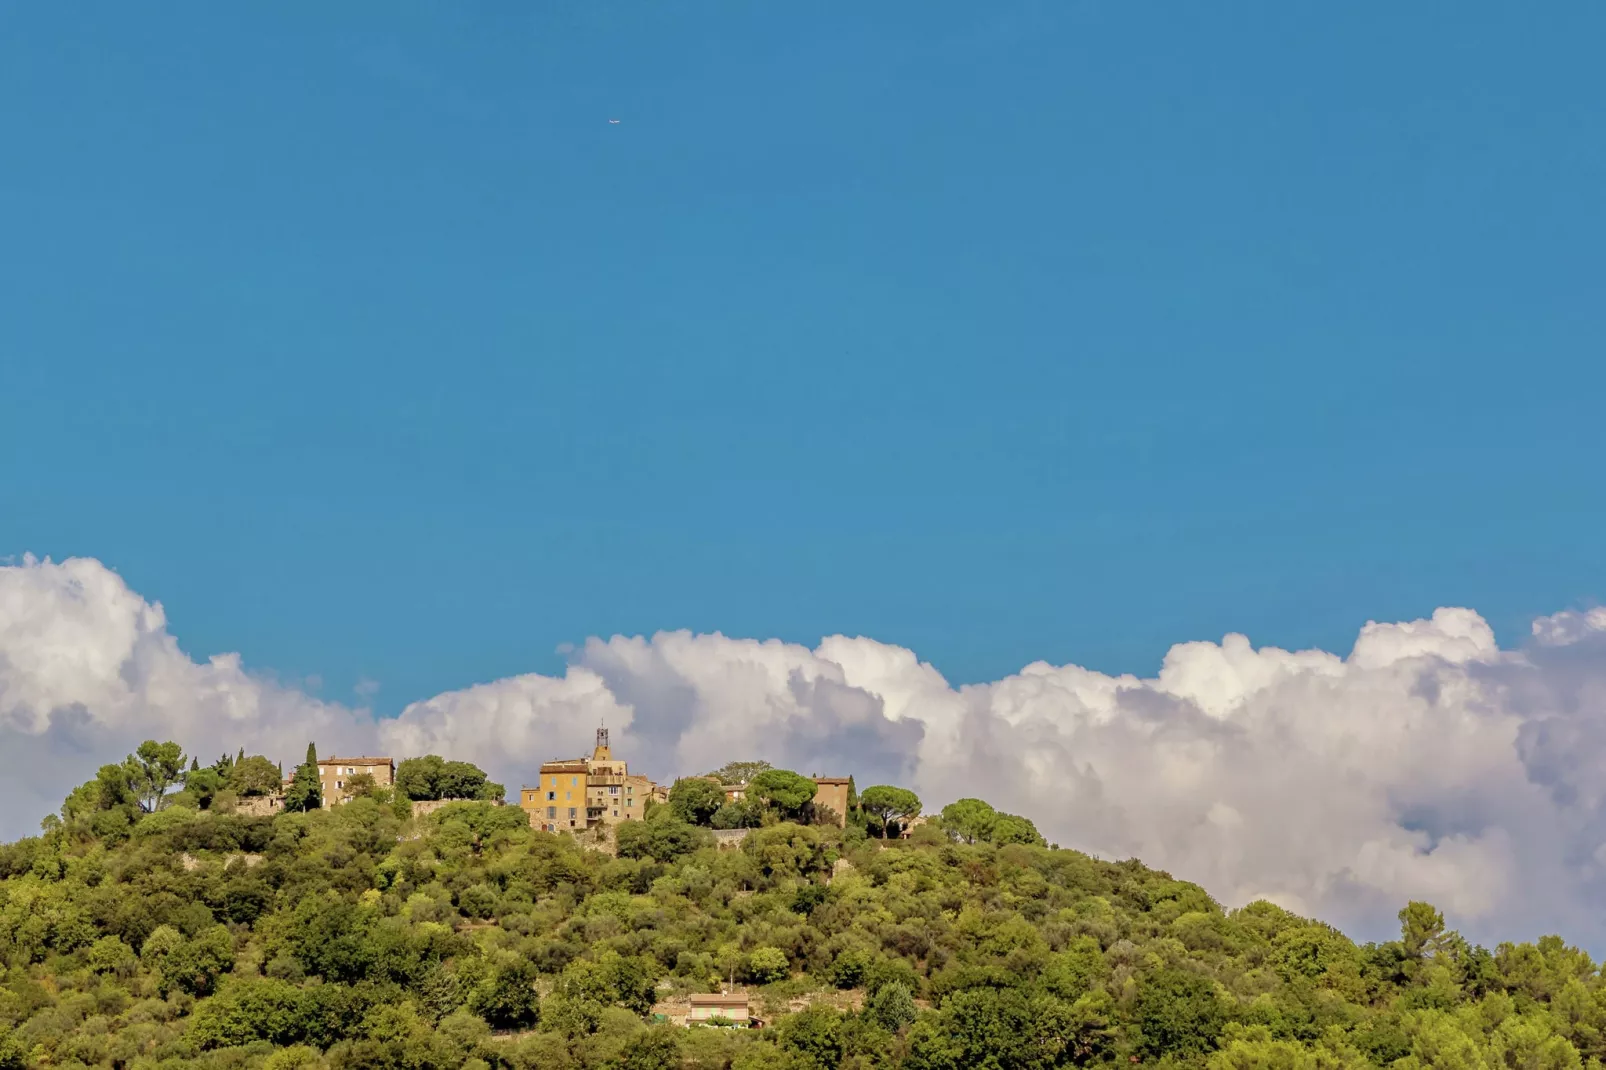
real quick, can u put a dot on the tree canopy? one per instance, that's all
(153, 770)
(787, 792)
(695, 800)
(888, 804)
(733, 773)
(432, 777)
(253, 776)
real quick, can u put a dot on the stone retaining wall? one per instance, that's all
(429, 806)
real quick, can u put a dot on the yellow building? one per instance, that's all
(719, 1006)
(833, 791)
(334, 776)
(581, 793)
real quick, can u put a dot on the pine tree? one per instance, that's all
(304, 793)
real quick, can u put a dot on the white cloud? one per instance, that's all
(1427, 763)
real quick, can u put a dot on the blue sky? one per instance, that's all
(358, 337)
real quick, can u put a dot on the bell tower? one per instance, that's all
(602, 753)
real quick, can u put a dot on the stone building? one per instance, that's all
(581, 793)
(833, 791)
(334, 776)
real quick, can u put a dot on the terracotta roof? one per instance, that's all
(830, 779)
(355, 761)
(717, 999)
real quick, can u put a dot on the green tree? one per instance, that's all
(1421, 930)
(254, 776)
(1009, 828)
(657, 1048)
(969, 820)
(787, 793)
(767, 964)
(507, 1000)
(1178, 1013)
(432, 777)
(662, 838)
(695, 800)
(12, 1054)
(361, 786)
(305, 793)
(888, 804)
(152, 771)
(738, 814)
(814, 1033)
(107, 805)
(419, 779)
(195, 965)
(733, 773)
(201, 786)
(110, 955)
(892, 1007)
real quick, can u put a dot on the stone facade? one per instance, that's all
(422, 807)
(833, 791)
(575, 794)
(335, 773)
(260, 805)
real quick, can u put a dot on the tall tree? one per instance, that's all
(784, 791)
(695, 800)
(201, 786)
(887, 804)
(255, 776)
(968, 819)
(1011, 828)
(420, 778)
(152, 770)
(305, 793)
(740, 772)
(433, 777)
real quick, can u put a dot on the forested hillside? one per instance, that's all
(150, 927)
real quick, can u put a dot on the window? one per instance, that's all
(574, 781)
(613, 790)
(571, 813)
(340, 783)
(616, 813)
(552, 812)
(630, 802)
(551, 795)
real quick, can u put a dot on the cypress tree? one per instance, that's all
(305, 793)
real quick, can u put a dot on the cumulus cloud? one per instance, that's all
(1425, 763)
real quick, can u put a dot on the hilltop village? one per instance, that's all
(578, 795)
(159, 922)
